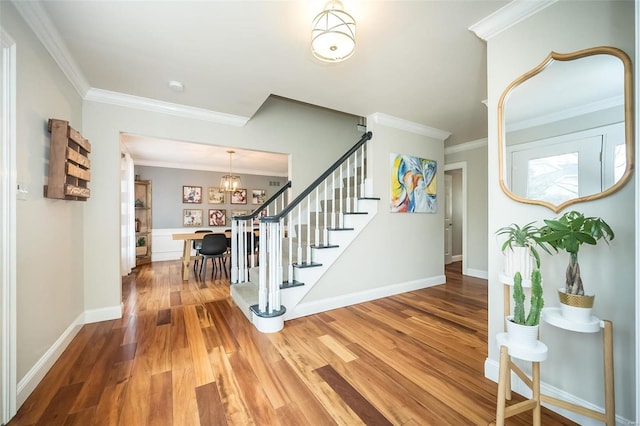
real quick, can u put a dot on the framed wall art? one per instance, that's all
(217, 217)
(413, 184)
(216, 195)
(239, 196)
(192, 217)
(192, 194)
(258, 196)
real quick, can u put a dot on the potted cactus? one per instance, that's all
(522, 329)
(568, 233)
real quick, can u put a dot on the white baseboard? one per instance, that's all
(477, 273)
(40, 369)
(44, 364)
(491, 371)
(310, 308)
(456, 258)
(103, 314)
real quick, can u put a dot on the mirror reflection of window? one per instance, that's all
(620, 162)
(553, 178)
(563, 168)
(584, 95)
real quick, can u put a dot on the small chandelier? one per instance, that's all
(333, 37)
(230, 182)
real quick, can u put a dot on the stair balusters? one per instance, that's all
(294, 221)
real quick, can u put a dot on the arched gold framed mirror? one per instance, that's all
(565, 129)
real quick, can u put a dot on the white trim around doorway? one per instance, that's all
(8, 196)
(463, 166)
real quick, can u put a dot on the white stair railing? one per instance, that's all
(278, 229)
(243, 237)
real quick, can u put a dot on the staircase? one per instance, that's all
(299, 241)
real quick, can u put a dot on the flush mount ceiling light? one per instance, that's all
(333, 37)
(230, 182)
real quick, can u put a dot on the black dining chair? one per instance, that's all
(214, 246)
(227, 233)
(251, 245)
(250, 239)
(197, 245)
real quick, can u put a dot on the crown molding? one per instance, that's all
(130, 101)
(409, 126)
(39, 22)
(202, 167)
(468, 146)
(507, 16)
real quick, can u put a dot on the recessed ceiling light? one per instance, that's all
(176, 86)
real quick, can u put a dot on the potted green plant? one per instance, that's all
(522, 328)
(569, 233)
(519, 248)
(141, 246)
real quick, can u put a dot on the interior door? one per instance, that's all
(448, 221)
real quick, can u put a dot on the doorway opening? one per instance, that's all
(457, 223)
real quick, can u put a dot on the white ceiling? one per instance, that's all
(415, 60)
(565, 89)
(147, 151)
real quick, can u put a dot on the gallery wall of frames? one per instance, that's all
(192, 198)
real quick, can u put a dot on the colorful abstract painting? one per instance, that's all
(413, 184)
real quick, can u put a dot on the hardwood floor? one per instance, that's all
(184, 354)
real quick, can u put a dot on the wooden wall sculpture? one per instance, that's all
(69, 164)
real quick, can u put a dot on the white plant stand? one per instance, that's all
(510, 350)
(553, 316)
(535, 355)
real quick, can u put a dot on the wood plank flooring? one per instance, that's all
(183, 354)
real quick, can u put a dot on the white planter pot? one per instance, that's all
(575, 308)
(525, 336)
(519, 259)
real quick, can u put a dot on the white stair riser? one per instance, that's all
(325, 256)
(356, 221)
(247, 296)
(291, 296)
(341, 238)
(308, 275)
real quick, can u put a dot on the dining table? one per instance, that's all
(186, 253)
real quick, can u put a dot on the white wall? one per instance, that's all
(49, 232)
(475, 156)
(574, 365)
(394, 248)
(166, 202)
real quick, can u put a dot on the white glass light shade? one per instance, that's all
(333, 38)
